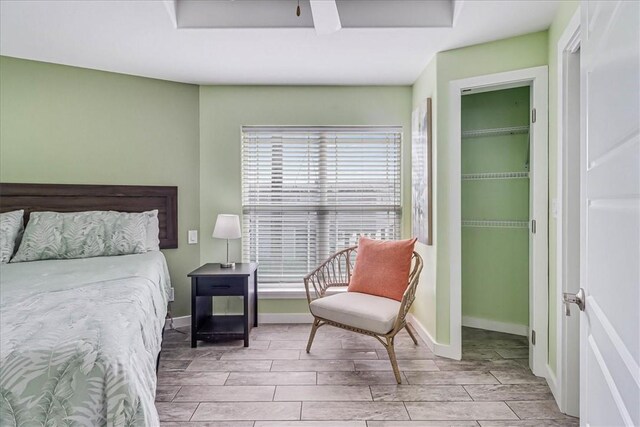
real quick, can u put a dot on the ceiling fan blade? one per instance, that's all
(325, 16)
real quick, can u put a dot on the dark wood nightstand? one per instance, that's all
(211, 280)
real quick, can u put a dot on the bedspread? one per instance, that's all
(79, 340)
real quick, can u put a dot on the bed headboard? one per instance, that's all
(75, 198)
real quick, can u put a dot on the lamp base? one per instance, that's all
(227, 265)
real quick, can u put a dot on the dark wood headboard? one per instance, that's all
(76, 198)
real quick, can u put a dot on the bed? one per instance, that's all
(79, 338)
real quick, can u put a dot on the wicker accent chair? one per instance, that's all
(367, 314)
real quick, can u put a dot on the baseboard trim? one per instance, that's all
(444, 350)
(285, 318)
(492, 325)
(422, 332)
(553, 384)
(178, 322)
(182, 321)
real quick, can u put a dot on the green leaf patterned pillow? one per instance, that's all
(10, 228)
(153, 231)
(55, 235)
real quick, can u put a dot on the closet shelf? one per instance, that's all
(514, 130)
(494, 175)
(495, 224)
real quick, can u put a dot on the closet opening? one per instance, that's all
(498, 219)
(495, 164)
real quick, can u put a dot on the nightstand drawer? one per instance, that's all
(218, 286)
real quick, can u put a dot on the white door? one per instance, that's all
(610, 217)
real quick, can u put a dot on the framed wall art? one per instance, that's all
(422, 173)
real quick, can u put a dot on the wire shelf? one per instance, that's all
(495, 224)
(477, 133)
(495, 175)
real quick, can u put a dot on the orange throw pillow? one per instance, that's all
(382, 267)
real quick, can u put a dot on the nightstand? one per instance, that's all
(211, 280)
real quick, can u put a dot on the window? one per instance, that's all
(310, 191)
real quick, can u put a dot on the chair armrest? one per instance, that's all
(410, 293)
(335, 271)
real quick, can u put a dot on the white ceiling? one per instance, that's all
(280, 13)
(140, 38)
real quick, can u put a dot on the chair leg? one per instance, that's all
(314, 328)
(393, 360)
(411, 334)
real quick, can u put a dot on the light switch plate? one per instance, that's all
(172, 295)
(193, 237)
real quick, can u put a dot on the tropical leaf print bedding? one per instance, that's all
(67, 235)
(79, 340)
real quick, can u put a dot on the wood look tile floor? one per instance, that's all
(346, 381)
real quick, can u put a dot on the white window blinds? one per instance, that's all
(310, 191)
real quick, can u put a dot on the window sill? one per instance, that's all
(291, 293)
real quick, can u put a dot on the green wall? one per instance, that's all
(503, 55)
(565, 12)
(495, 261)
(225, 109)
(525, 51)
(424, 308)
(62, 124)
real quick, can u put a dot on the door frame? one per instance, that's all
(537, 79)
(568, 42)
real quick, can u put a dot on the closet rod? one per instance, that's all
(514, 130)
(495, 224)
(494, 175)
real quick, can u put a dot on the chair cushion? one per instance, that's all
(382, 267)
(370, 312)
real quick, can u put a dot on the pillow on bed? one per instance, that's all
(153, 231)
(55, 235)
(11, 226)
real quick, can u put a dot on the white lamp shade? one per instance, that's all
(227, 227)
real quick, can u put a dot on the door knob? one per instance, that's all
(578, 299)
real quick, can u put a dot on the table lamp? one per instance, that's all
(227, 227)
